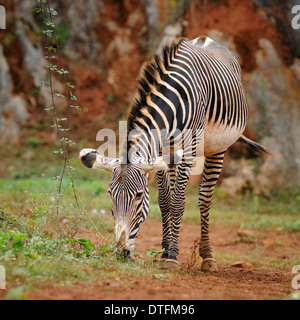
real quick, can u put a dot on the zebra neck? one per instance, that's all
(142, 145)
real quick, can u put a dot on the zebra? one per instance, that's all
(194, 89)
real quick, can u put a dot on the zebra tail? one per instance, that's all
(257, 147)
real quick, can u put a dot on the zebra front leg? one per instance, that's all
(164, 198)
(177, 210)
(211, 172)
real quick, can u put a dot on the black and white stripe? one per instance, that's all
(196, 83)
(192, 93)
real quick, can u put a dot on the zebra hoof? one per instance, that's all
(209, 265)
(169, 264)
(162, 264)
(162, 260)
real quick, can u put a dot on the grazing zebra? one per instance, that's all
(192, 93)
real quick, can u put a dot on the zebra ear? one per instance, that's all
(163, 162)
(94, 160)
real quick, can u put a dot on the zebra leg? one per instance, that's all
(177, 209)
(164, 197)
(212, 169)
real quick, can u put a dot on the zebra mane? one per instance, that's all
(148, 81)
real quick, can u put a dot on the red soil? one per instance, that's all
(243, 281)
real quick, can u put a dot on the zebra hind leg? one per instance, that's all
(212, 169)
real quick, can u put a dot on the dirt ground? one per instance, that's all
(241, 280)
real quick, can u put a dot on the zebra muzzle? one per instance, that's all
(123, 250)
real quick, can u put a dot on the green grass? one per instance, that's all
(281, 210)
(39, 245)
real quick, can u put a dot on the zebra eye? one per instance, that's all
(139, 195)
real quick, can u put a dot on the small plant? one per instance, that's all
(87, 248)
(160, 277)
(105, 249)
(154, 253)
(33, 141)
(110, 98)
(12, 244)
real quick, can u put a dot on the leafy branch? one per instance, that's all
(55, 65)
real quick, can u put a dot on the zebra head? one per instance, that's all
(130, 204)
(128, 191)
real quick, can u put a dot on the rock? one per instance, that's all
(14, 116)
(82, 41)
(34, 60)
(172, 32)
(295, 67)
(152, 15)
(273, 96)
(280, 13)
(241, 264)
(13, 113)
(5, 80)
(245, 232)
(243, 178)
(246, 236)
(225, 40)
